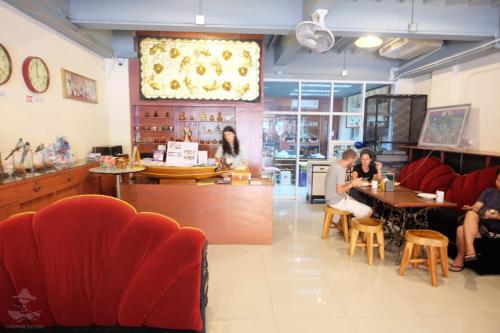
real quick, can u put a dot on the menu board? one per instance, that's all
(182, 154)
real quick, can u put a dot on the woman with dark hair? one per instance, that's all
(367, 168)
(231, 149)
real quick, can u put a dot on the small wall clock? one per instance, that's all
(36, 74)
(5, 65)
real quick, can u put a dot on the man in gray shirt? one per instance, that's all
(336, 187)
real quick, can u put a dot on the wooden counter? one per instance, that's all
(228, 214)
(34, 192)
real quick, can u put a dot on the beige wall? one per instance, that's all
(476, 82)
(118, 103)
(84, 124)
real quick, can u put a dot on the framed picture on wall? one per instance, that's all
(78, 87)
(353, 121)
(444, 126)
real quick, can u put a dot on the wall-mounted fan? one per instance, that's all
(314, 34)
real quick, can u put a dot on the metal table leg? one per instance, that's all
(118, 181)
(402, 231)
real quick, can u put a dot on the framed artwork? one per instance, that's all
(199, 69)
(353, 121)
(443, 126)
(78, 87)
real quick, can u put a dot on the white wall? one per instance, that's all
(476, 82)
(84, 124)
(118, 103)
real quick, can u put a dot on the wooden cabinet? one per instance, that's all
(34, 193)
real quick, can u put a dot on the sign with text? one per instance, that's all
(183, 154)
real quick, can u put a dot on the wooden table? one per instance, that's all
(118, 172)
(404, 199)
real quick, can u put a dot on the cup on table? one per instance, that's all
(439, 196)
(374, 184)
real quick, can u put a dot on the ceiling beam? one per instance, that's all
(279, 17)
(286, 50)
(52, 14)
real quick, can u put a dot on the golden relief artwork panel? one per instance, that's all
(200, 69)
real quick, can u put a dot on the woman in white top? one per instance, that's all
(231, 149)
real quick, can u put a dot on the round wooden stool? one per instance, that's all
(434, 243)
(344, 220)
(368, 227)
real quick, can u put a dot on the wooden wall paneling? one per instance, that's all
(228, 214)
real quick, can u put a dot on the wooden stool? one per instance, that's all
(368, 227)
(344, 220)
(433, 242)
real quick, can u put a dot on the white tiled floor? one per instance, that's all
(302, 283)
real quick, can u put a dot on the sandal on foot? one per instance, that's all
(456, 268)
(470, 257)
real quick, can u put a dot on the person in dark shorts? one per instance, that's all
(481, 220)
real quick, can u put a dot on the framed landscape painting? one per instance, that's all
(78, 87)
(443, 126)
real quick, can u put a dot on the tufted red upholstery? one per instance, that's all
(465, 190)
(439, 178)
(95, 261)
(413, 174)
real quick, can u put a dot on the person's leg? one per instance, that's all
(471, 232)
(357, 208)
(459, 259)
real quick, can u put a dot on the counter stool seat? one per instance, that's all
(435, 243)
(345, 216)
(369, 227)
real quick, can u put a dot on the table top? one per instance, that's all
(403, 197)
(116, 171)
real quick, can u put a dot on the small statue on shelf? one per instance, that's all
(191, 117)
(146, 114)
(203, 116)
(155, 114)
(187, 134)
(182, 116)
(212, 118)
(167, 114)
(219, 116)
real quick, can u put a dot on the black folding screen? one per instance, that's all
(393, 120)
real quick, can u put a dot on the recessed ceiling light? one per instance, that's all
(200, 19)
(368, 41)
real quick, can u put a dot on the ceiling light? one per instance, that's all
(200, 19)
(343, 73)
(368, 41)
(412, 26)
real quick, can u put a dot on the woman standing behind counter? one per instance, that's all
(231, 149)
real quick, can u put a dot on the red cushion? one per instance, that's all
(412, 174)
(465, 189)
(92, 260)
(439, 178)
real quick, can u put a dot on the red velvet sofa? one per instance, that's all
(427, 175)
(465, 190)
(93, 262)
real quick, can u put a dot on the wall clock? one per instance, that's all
(5, 65)
(36, 74)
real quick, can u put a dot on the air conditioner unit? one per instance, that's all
(404, 48)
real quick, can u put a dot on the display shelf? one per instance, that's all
(191, 119)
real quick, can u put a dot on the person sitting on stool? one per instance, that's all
(336, 187)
